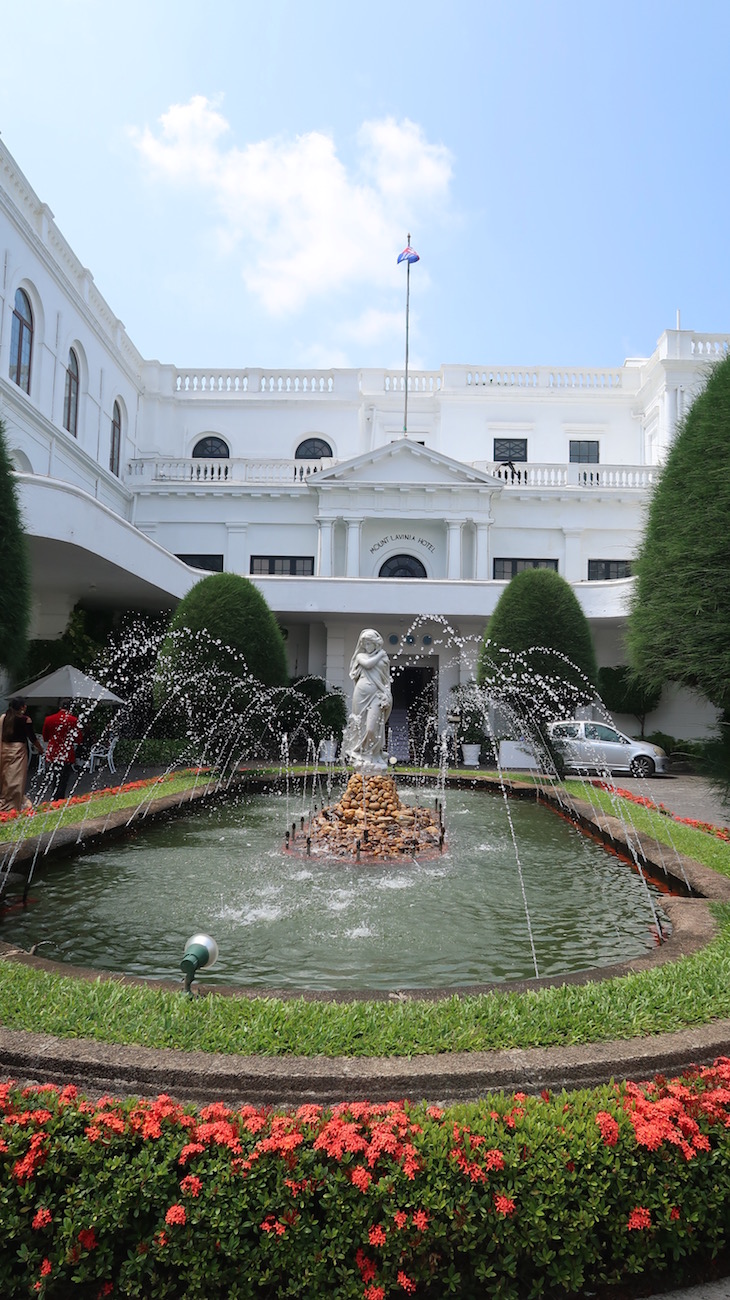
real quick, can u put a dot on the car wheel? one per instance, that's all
(642, 765)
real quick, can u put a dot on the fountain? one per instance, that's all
(367, 892)
(370, 817)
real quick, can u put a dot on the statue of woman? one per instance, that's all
(372, 701)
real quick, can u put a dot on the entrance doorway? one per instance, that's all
(413, 721)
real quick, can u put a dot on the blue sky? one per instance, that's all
(240, 177)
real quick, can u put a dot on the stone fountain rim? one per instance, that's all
(98, 1067)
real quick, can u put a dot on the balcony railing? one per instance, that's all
(225, 472)
(217, 471)
(578, 476)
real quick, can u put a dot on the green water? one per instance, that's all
(283, 920)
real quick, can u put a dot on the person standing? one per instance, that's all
(61, 732)
(16, 733)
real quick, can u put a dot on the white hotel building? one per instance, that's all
(135, 475)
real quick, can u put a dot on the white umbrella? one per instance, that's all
(68, 683)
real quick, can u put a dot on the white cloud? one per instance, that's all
(304, 224)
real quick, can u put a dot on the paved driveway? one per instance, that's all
(686, 795)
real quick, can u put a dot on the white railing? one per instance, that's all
(215, 470)
(710, 345)
(211, 383)
(220, 471)
(543, 377)
(580, 476)
(424, 381)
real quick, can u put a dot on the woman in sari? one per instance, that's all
(16, 732)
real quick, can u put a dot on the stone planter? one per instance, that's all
(328, 750)
(471, 755)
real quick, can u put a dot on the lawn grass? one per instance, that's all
(694, 990)
(691, 991)
(46, 819)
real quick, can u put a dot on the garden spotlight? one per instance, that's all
(200, 951)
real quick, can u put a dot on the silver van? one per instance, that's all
(594, 746)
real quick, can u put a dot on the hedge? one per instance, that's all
(516, 1196)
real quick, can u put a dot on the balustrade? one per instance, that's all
(218, 470)
(543, 377)
(424, 382)
(238, 382)
(595, 476)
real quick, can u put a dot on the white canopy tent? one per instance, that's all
(68, 683)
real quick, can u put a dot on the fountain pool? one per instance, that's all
(286, 921)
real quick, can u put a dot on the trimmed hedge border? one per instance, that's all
(515, 1197)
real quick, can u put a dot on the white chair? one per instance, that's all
(103, 752)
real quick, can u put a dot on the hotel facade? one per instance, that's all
(136, 478)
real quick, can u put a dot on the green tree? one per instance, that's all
(218, 664)
(679, 625)
(15, 581)
(538, 649)
(623, 692)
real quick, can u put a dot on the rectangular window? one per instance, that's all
(608, 570)
(505, 569)
(301, 566)
(214, 563)
(514, 449)
(583, 452)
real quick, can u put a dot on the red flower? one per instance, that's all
(361, 1178)
(406, 1282)
(176, 1214)
(191, 1185)
(400, 1218)
(674, 1212)
(504, 1205)
(42, 1218)
(374, 1293)
(609, 1128)
(420, 1220)
(376, 1235)
(46, 1268)
(639, 1218)
(87, 1237)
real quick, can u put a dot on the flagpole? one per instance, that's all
(408, 302)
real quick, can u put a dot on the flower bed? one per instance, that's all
(72, 801)
(517, 1196)
(720, 832)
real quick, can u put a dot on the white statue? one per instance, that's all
(372, 701)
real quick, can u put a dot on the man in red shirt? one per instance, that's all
(61, 732)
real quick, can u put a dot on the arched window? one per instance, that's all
(71, 395)
(21, 341)
(116, 442)
(402, 566)
(210, 448)
(312, 449)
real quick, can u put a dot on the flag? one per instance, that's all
(408, 255)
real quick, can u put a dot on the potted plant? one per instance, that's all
(470, 727)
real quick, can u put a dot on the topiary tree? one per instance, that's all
(221, 657)
(623, 692)
(537, 654)
(679, 625)
(15, 582)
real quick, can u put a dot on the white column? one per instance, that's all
(572, 571)
(335, 667)
(481, 555)
(352, 559)
(453, 548)
(324, 568)
(237, 558)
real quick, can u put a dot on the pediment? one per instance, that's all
(403, 462)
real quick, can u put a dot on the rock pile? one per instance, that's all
(371, 820)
